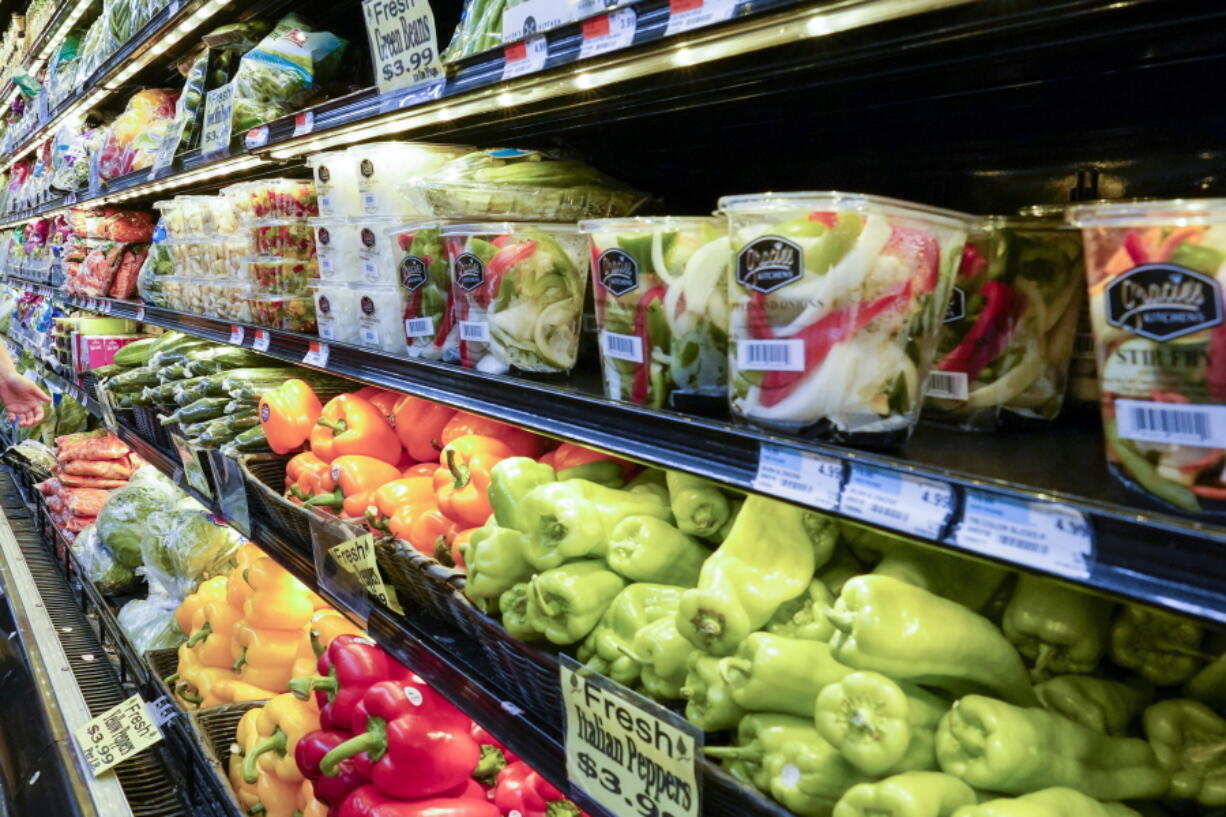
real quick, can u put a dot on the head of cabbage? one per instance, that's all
(183, 547)
(123, 518)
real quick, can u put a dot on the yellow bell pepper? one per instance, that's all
(246, 555)
(265, 657)
(245, 737)
(238, 591)
(212, 590)
(278, 601)
(283, 721)
(212, 633)
(196, 685)
(326, 625)
(234, 691)
(277, 798)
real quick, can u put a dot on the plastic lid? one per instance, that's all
(1147, 212)
(330, 221)
(837, 200)
(316, 159)
(277, 222)
(483, 227)
(632, 223)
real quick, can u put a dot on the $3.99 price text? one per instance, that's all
(609, 779)
(403, 39)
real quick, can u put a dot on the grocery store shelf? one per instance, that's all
(1148, 555)
(49, 39)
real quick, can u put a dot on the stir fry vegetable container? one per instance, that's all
(336, 183)
(335, 310)
(517, 294)
(383, 166)
(661, 292)
(836, 305)
(1156, 273)
(1009, 329)
(424, 276)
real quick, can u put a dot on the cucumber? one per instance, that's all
(192, 389)
(222, 359)
(136, 353)
(218, 432)
(103, 372)
(133, 380)
(251, 441)
(207, 408)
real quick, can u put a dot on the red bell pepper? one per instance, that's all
(991, 332)
(439, 807)
(310, 750)
(973, 262)
(1135, 246)
(508, 255)
(484, 738)
(520, 788)
(409, 741)
(362, 802)
(347, 669)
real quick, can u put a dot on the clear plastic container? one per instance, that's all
(1008, 333)
(1156, 272)
(198, 216)
(282, 198)
(241, 199)
(377, 258)
(425, 279)
(336, 246)
(383, 166)
(282, 237)
(336, 310)
(173, 293)
(292, 313)
(836, 306)
(229, 301)
(518, 294)
(198, 257)
(172, 217)
(280, 276)
(336, 183)
(661, 293)
(235, 248)
(380, 316)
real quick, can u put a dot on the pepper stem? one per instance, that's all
(538, 597)
(841, 619)
(632, 655)
(258, 808)
(200, 635)
(304, 685)
(734, 671)
(459, 471)
(333, 499)
(373, 742)
(562, 808)
(551, 531)
(276, 742)
(491, 763)
(372, 519)
(169, 680)
(338, 427)
(442, 551)
(191, 697)
(241, 662)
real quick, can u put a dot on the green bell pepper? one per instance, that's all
(996, 746)
(1057, 801)
(494, 559)
(966, 581)
(566, 603)
(888, 626)
(575, 519)
(1209, 685)
(1058, 629)
(1163, 649)
(804, 617)
(609, 649)
(510, 481)
(772, 673)
(699, 506)
(1189, 739)
(513, 604)
(648, 549)
(880, 725)
(910, 794)
(843, 565)
(722, 534)
(785, 757)
(1102, 705)
(709, 704)
(767, 559)
(663, 654)
(603, 472)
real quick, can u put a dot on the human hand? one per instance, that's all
(23, 401)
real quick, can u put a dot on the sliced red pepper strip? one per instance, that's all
(973, 263)
(827, 217)
(1196, 466)
(507, 257)
(1169, 244)
(990, 334)
(1135, 245)
(919, 247)
(1209, 492)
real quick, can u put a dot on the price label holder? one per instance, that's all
(317, 354)
(257, 137)
(165, 156)
(95, 174)
(237, 334)
(403, 44)
(801, 476)
(193, 471)
(687, 15)
(607, 32)
(915, 505)
(625, 754)
(333, 576)
(124, 730)
(1045, 535)
(231, 491)
(304, 123)
(525, 57)
(140, 313)
(260, 341)
(218, 118)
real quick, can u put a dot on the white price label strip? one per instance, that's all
(1036, 534)
(357, 556)
(525, 57)
(236, 335)
(260, 342)
(629, 755)
(914, 505)
(117, 734)
(608, 32)
(801, 476)
(317, 354)
(686, 15)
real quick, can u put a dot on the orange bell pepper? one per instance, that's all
(419, 425)
(400, 524)
(462, 488)
(421, 469)
(387, 499)
(352, 474)
(301, 474)
(523, 443)
(457, 548)
(350, 425)
(327, 625)
(432, 533)
(385, 401)
(287, 415)
(547, 458)
(569, 455)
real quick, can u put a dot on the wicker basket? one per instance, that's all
(214, 729)
(146, 422)
(419, 581)
(265, 505)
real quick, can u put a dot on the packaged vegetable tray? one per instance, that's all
(383, 166)
(1008, 333)
(1156, 271)
(424, 275)
(836, 306)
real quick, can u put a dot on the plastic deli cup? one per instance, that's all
(282, 237)
(1156, 273)
(280, 276)
(661, 292)
(383, 166)
(336, 183)
(376, 250)
(424, 278)
(336, 310)
(517, 294)
(293, 313)
(379, 315)
(336, 246)
(1009, 330)
(836, 305)
(283, 198)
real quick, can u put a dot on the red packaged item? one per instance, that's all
(76, 524)
(106, 469)
(84, 501)
(74, 481)
(128, 227)
(90, 445)
(123, 285)
(55, 504)
(48, 487)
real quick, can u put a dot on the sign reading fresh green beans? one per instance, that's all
(403, 43)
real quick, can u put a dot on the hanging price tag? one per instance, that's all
(193, 472)
(914, 505)
(304, 123)
(525, 57)
(686, 15)
(140, 313)
(260, 342)
(317, 354)
(1036, 534)
(256, 137)
(236, 335)
(162, 710)
(801, 476)
(218, 118)
(628, 755)
(607, 32)
(117, 734)
(168, 148)
(357, 556)
(403, 43)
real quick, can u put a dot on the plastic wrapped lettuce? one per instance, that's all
(150, 623)
(100, 565)
(185, 546)
(124, 517)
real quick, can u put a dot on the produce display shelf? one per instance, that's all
(67, 13)
(1147, 555)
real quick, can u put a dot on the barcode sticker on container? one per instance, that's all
(607, 32)
(1179, 423)
(326, 267)
(1053, 537)
(770, 355)
(370, 202)
(317, 354)
(325, 202)
(475, 331)
(903, 502)
(419, 327)
(260, 343)
(370, 269)
(622, 347)
(801, 476)
(324, 326)
(236, 335)
(948, 385)
(369, 335)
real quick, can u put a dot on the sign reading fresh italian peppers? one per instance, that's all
(117, 734)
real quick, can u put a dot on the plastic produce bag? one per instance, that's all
(480, 29)
(149, 477)
(123, 519)
(150, 623)
(182, 548)
(100, 565)
(133, 140)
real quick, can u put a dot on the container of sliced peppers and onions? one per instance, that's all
(661, 293)
(836, 305)
(1156, 272)
(1008, 332)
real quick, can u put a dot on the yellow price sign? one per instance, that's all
(117, 734)
(357, 557)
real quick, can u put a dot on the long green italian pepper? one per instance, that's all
(699, 507)
(1164, 649)
(910, 794)
(709, 704)
(1144, 472)
(1054, 802)
(1103, 705)
(1056, 628)
(609, 648)
(662, 653)
(648, 549)
(772, 673)
(880, 726)
(805, 616)
(511, 480)
(966, 581)
(494, 559)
